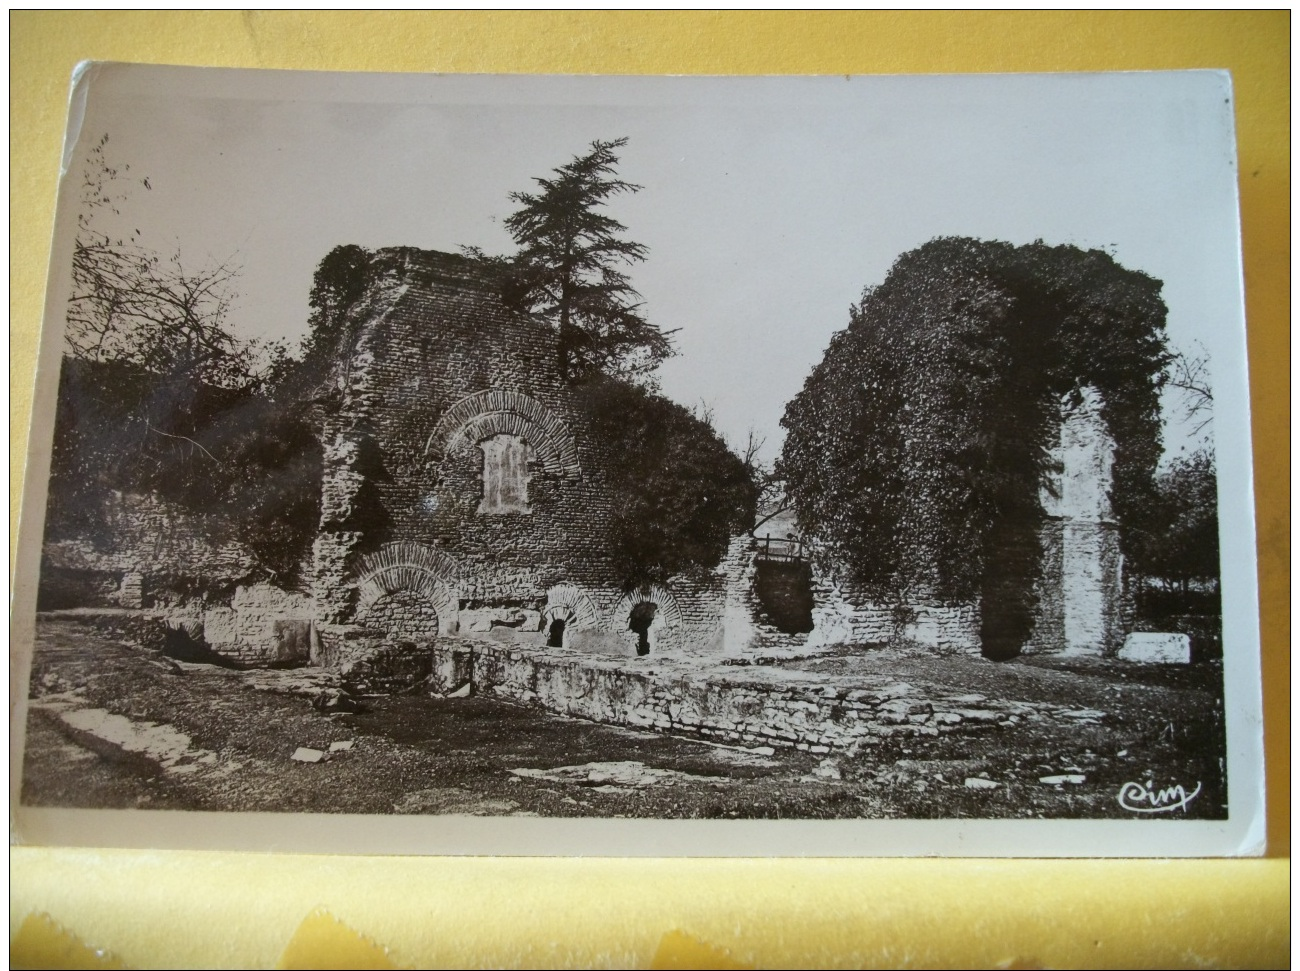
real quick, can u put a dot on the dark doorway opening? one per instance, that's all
(785, 591)
(555, 633)
(639, 620)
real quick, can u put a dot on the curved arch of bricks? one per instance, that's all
(570, 603)
(667, 616)
(500, 412)
(415, 568)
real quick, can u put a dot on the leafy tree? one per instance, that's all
(679, 492)
(1180, 547)
(250, 465)
(568, 269)
(340, 280)
(917, 448)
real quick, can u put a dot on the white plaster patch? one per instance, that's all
(1151, 648)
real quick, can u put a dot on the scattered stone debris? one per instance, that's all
(322, 687)
(454, 802)
(340, 746)
(334, 701)
(1084, 714)
(974, 782)
(613, 776)
(827, 770)
(1072, 778)
(917, 770)
(307, 755)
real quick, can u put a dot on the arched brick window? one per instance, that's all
(506, 472)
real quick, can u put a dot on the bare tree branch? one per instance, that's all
(129, 304)
(1191, 376)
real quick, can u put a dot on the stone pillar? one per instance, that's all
(738, 628)
(1081, 610)
(1092, 588)
(333, 549)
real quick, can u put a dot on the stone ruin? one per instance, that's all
(456, 432)
(1082, 605)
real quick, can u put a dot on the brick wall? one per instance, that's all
(152, 551)
(438, 363)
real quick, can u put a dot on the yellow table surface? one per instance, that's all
(87, 908)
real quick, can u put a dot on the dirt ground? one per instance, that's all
(114, 725)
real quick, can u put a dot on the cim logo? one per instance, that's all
(1144, 797)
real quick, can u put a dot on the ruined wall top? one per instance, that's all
(411, 265)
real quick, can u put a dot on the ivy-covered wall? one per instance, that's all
(438, 366)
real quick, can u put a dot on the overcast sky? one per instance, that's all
(767, 204)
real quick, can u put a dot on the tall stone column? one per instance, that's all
(738, 627)
(333, 550)
(1082, 586)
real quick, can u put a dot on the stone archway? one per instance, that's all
(568, 608)
(405, 581)
(652, 613)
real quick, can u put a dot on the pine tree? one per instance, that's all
(568, 269)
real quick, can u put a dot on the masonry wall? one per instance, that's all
(435, 342)
(821, 719)
(149, 552)
(843, 613)
(262, 625)
(1082, 605)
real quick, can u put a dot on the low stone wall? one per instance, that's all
(760, 708)
(368, 662)
(262, 625)
(845, 616)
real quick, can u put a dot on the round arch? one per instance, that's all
(572, 604)
(501, 412)
(408, 567)
(667, 613)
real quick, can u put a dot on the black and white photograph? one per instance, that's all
(581, 465)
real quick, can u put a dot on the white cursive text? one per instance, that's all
(1144, 797)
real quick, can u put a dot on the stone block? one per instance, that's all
(485, 619)
(1153, 648)
(131, 593)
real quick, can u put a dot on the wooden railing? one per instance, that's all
(774, 548)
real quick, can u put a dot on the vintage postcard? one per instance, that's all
(575, 465)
